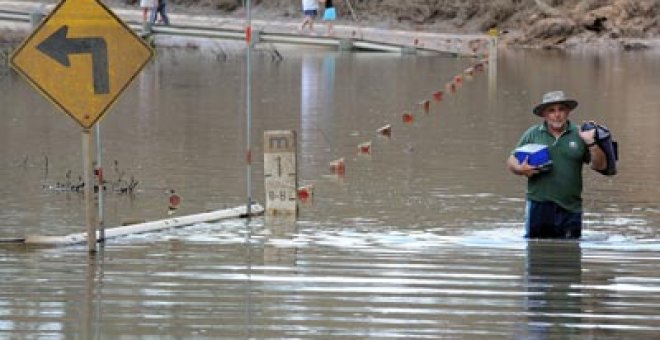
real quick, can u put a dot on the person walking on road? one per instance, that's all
(161, 9)
(147, 5)
(329, 16)
(554, 202)
(310, 10)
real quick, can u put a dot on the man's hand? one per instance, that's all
(523, 169)
(527, 170)
(598, 158)
(588, 136)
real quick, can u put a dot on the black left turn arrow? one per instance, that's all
(59, 47)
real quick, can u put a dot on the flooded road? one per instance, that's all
(420, 239)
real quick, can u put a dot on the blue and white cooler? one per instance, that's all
(537, 155)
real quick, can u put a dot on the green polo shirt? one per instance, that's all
(563, 184)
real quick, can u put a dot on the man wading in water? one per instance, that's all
(554, 202)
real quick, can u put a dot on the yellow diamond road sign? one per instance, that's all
(82, 57)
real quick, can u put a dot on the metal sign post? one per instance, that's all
(248, 106)
(99, 175)
(88, 180)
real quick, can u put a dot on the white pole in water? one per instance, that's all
(88, 178)
(248, 100)
(99, 175)
(492, 65)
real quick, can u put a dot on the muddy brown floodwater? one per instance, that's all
(420, 239)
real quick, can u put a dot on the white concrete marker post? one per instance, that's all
(280, 172)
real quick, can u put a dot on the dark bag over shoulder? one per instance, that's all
(605, 142)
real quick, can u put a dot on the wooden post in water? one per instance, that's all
(280, 173)
(88, 180)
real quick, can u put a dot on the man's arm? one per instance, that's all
(598, 158)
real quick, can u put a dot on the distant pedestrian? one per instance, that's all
(147, 5)
(310, 9)
(161, 9)
(329, 16)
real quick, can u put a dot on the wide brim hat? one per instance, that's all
(554, 97)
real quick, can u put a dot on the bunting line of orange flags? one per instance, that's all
(338, 166)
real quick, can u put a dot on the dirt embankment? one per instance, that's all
(627, 24)
(523, 23)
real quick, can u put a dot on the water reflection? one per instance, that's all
(278, 251)
(553, 270)
(317, 110)
(492, 81)
(147, 95)
(247, 303)
(91, 319)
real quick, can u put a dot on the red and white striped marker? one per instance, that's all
(338, 166)
(450, 87)
(385, 131)
(425, 105)
(364, 148)
(407, 118)
(305, 193)
(437, 96)
(174, 202)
